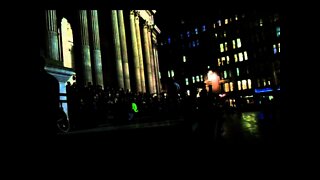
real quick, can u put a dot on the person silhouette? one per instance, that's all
(49, 100)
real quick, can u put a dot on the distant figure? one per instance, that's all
(49, 100)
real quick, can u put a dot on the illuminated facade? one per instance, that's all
(114, 48)
(242, 48)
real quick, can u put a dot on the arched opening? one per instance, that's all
(67, 44)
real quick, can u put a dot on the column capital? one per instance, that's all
(132, 12)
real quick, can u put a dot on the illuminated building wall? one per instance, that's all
(116, 48)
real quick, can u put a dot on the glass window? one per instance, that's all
(193, 79)
(224, 34)
(226, 87)
(245, 55)
(231, 86)
(225, 74)
(249, 83)
(278, 31)
(193, 44)
(230, 73)
(201, 77)
(196, 30)
(203, 28)
(214, 25)
(219, 22)
(197, 78)
(278, 47)
(236, 18)
(169, 40)
(222, 59)
(187, 81)
(226, 46)
(235, 57)
(274, 49)
(239, 85)
(269, 83)
(238, 71)
(198, 43)
(244, 84)
(264, 82)
(240, 57)
(188, 33)
(169, 74)
(261, 23)
(219, 62)
(172, 73)
(226, 21)
(184, 59)
(221, 47)
(238, 43)
(208, 67)
(228, 59)
(216, 35)
(234, 44)
(258, 83)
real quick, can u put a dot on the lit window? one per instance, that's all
(226, 46)
(208, 67)
(187, 81)
(222, 60)
(184, 59)
(230, 20)
(274, 49)
(197, 78)
(245, 55)
(249, 83)
(225, 74)
(219, 62)
(216, 35)
(238, 42)
(264, 82)
(224, 34)
(172, 73)
(193, 44)
(269, 83)
(278, 47)
(201, 77)
(231, 86)
(244, 84)
(188, 34)
(226, 21)
(196, 30)
(278, 31)
(198, 43)
(188, 92)
(235, 58)
(203, 28)
(221, 47)
(169, 40)
(219, 22)
(226, 87)
(193, 79)
(239, 85)
(228, 59)
(169, 74)
(236, 18)
(214, 25)
(240, 57)
(238, 71)
(234, 44)
(261, 22)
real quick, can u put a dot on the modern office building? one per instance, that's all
(235, 53)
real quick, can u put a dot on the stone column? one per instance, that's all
(143, 84)
(147, 55)
(135, 51)
(85, 48)
(116, 41)
(96, 48)
(52, 46)
(152, 61)
(124, 52)
(156, 60)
